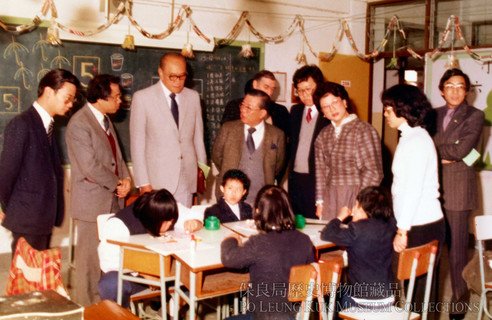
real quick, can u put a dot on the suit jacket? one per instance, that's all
(228, 147)
(160, 152)
(296, 118)
(222, 211)
(31, 177)
(458, 181)
(93, 178)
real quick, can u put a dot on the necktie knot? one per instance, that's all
(309, 117)
(250, 143)
(172, 95)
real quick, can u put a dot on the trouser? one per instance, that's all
(457, 241)
(108, 288)
(301, 192)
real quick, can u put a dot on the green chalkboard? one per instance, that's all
(218, 77)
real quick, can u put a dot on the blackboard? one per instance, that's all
(218, 77)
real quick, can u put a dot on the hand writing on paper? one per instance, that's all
(192, 225)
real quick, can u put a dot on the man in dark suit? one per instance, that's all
(459, 127)
(251, 145)
(305, 124)
(31, 175)
(99, 178)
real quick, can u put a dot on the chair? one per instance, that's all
(413, 262)
(144, 262)
(483, 232)
(33, 270)
(328, 280)
(302, 281)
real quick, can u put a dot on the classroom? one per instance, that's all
(253, 74)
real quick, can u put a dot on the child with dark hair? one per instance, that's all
(269, 255)
(231, 207)
(369, 242)
(153, 212)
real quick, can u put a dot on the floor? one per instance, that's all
(445, 286)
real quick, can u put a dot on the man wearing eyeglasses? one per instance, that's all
(31, 175)
(459, 127)
(251, 145)
(99, 178)
(306, 123)
(166, 133)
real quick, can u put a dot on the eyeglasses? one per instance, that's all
(457, 86)
(175, 77)
(333, 104)
(247, 107)
(301, 92)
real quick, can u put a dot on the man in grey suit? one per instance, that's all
(99, 178)
(251, 145)
(166, 133)
(459, 127)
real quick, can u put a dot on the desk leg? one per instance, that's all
(192, 295)
(177, 286)
(163, 288)
(119, 296)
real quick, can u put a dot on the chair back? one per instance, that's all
(101, 221)
(414, 262)
(329, 273)
(483, 227)
(301, 282)
(33, 270)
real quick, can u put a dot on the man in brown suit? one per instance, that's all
(459, 127)
(250, 144)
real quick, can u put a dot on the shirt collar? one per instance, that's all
(349, 118)
(314, 110)
(259, 127)
(45, 116)
(98, 114)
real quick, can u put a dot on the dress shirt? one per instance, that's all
(234, 209)
(98, 114)
(167, 92)
(115, 229)
(415, 186)
(45, 116)
(257, 135)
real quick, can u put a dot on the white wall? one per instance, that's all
(215, 19)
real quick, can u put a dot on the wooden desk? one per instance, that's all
(203, 273)
(107, 310)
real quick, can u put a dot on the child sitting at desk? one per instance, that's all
(231, 207)
(369, 242)
(154, 212)
(269, 255)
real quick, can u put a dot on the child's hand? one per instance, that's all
(192, 225)
(344, 213)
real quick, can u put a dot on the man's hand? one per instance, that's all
(319, 210)
(145, 189)
(123, 188)
(400, 241)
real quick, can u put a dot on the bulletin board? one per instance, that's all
(218, 76)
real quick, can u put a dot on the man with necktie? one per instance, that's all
(306, 122)
(166, 133)
(99, 178)
(31, 175)
(250, 145)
